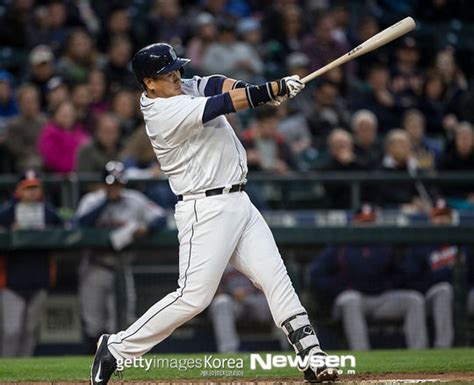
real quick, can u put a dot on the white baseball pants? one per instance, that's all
(213, 232)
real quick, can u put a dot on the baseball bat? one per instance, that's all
(383, 37)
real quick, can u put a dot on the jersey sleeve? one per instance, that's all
(204, 86)
(177, 119)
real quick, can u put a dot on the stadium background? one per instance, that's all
(307, 196)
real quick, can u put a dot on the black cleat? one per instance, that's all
(104, 364)
(320, 374)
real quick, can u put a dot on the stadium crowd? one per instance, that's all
(69, 103)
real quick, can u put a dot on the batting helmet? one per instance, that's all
(114, 172)
(156, 59)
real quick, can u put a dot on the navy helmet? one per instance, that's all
(114, 172)
(156, 59)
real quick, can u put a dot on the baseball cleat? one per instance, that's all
(320, 374)
(104, 364)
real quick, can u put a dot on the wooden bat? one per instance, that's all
(383, 37)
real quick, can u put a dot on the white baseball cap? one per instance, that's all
(41, 54)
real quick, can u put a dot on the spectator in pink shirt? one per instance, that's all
(61, 138)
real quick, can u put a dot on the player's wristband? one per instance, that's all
(282, 88)
(261, 94)
(240, 84)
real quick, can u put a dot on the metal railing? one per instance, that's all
(71, 186)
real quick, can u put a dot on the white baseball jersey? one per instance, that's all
(195, 156)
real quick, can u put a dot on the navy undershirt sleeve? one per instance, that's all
(217, 105)
(214, 85)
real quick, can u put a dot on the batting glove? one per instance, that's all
(290, 86)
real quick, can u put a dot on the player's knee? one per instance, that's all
(444, 289)
(414, 299)
(349, 298)
(222, 301)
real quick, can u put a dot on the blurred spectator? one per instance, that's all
(291, 28)
(205, 33)
(283, 27)
(341, 16)
(409, 196)
(98, 92)
(367, 27)
(329, 112)
(433, 103)
(429, 269)
(81, 99)
(266, 148)
(425, 150)
(129, 215)
(460, 157)
(297, 63)
(294, 128)
(8, 105)
(41, 70)
(321, 46)
(341, 158)
(232, 57)
(341, 152)
(367, 148)
(117, 24)
(217, 8)
(363, 282)
(24, 130)
(378, 98)
(51, 24)
(104, 146)
(27, 275)
(124, 106)
(56, 92)
(166, 23)
(140, 163)
(250, 32)
(117, 68)
(456, 85)
(61, 139)
(79, 56)
(16, 25)
(453, 76)
(406, 77)
(238, 299)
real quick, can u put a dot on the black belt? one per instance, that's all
(219, 190)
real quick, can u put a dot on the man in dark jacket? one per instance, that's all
(25, 276)
(363, 282)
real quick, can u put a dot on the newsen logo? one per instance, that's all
(271, 361)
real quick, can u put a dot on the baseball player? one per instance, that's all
(130, 215)
(217, 224)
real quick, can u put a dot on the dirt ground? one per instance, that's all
(382, 379)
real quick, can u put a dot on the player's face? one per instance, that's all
(164, 86)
